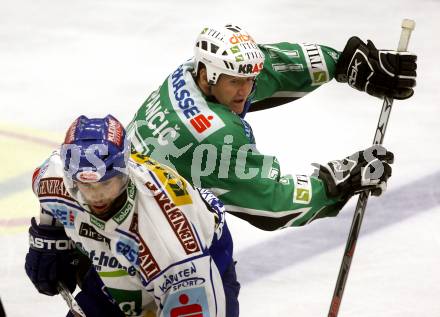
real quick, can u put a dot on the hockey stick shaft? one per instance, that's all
(407, 27)
(70, 300)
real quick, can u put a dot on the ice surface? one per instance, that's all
(59, 59)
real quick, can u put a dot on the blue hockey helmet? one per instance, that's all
(95, 150)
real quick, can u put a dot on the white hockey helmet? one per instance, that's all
(227, 50)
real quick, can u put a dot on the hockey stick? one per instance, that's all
(407, 27)
(71, 302)
(2, 310)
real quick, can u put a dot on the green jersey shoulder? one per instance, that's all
(214, 148)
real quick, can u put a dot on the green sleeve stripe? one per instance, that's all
(266, 213)
(117, 273)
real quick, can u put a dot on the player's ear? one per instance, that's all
(203, 76)
(202, 81)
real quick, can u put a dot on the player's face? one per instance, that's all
(99, 196)
(233, 91)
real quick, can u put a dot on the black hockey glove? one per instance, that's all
(51, 258)
(94, 302)
(378, 72)
(364, 170)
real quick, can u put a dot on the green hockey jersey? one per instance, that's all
(214, 148)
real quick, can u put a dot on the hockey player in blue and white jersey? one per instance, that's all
(159, 245)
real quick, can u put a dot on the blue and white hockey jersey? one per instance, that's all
(154, 253)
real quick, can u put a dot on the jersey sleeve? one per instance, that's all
(253, 189)
(291, 71)
(49, 188)
(46, 216)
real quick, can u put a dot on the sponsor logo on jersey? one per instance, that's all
(131, 190)
(108, 261)
(174, 184)
(180, 279)
(97, 222)
(62, 214)
(201, 123)
(141, 255)
(195, 114)
(303, 189)
(189, 283)
(316, 64)
(176, 219)
(123, 213)
(53, 187)
(128, 249)
(250, 68)
(147, 263)
(72, 215)
(188, 302)
(87, 231)
(104, 261)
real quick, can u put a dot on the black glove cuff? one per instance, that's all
(345, 58)
(331, 189)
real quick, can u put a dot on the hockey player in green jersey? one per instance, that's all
(194, 122)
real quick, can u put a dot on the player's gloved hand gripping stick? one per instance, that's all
(407, 27)
(70, 300)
